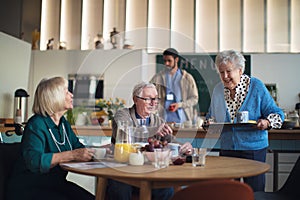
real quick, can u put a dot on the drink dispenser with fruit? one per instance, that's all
(123, 145)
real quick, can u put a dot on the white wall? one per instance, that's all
(124, 68)
(15, 65)
(282, 69)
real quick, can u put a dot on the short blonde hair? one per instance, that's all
(49, 96)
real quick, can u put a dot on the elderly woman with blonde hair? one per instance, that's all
(47, 141)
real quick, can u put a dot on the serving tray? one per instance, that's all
(232, 125)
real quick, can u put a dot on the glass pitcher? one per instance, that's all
(140, 134)
(124, 141)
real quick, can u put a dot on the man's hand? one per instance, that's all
(173, 107)
(164, 129)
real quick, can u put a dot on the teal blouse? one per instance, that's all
(38, 145)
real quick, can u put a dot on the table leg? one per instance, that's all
(101, 188)
(275, 171)
(145, 190)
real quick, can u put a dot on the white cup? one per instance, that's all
(99, 153)
(136, 158)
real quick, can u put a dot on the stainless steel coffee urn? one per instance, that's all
(20, 106)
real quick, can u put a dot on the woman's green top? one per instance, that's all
(41, 138)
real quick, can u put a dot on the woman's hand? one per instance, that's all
(83, 154)
(186, 148)
(263, 124)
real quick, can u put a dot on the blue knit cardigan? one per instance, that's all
(258, 102)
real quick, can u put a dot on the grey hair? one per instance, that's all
(138, 89)
(231, 56)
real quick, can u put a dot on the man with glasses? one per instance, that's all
(176, 88)
(143, 112)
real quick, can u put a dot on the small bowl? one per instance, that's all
(178, 160)
(149, 156)
(288, 124)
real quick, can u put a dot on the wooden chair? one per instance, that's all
(8, 155)
(289, 191)
(216, 190)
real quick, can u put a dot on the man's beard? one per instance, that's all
(170, 68)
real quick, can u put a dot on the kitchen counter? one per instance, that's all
(275, 134)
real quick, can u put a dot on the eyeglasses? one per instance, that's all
(149, 100)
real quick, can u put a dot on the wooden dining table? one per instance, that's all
(147, 177)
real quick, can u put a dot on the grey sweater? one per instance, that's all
(128, 114)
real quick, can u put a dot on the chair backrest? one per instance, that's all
(216, 190)
(291, 185)
(8, 155)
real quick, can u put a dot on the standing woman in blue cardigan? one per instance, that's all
(235, 93)
(47, 141)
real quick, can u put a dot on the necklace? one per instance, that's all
(57, 143)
